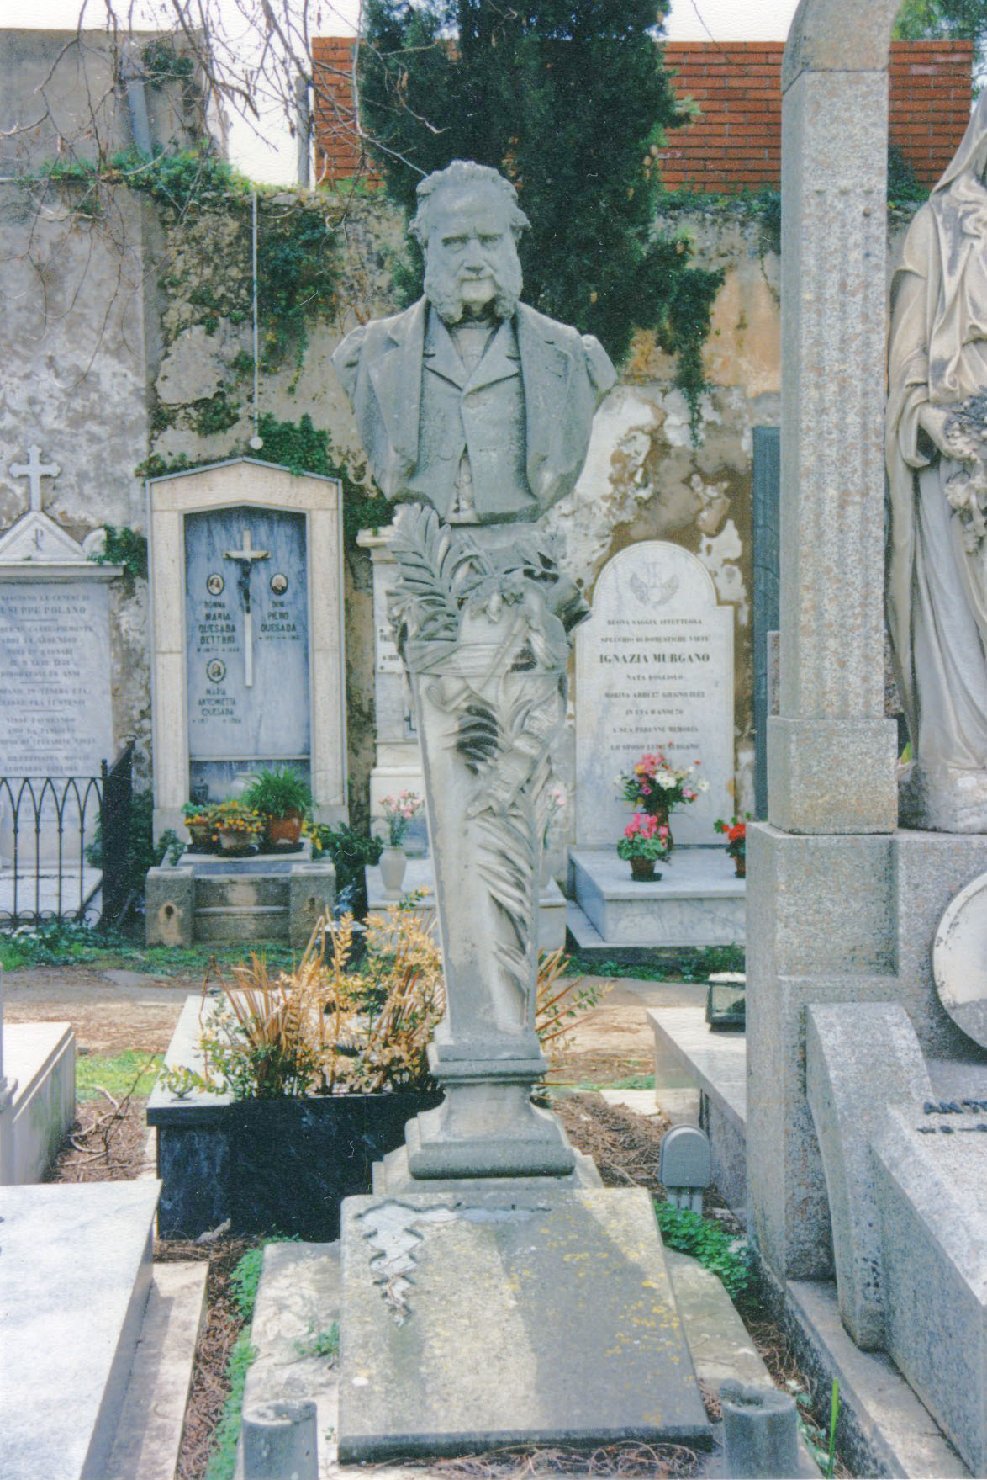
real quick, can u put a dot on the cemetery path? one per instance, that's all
(110, 1010)
(116, 1010)
(613, 1041)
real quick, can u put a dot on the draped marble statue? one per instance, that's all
(475, 412)
(937, 480)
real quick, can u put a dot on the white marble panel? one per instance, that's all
(654, 671)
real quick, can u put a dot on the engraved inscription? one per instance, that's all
(56, 714)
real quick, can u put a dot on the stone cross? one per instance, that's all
(34, 470)
(245, 559)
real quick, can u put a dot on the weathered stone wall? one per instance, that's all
(127, 337)
(130, 338)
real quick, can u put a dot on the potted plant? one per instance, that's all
(280, 1093)
(735, 832)
(645, 841)
(655, 786)
(238, 827)
(283, 799)
(399, 812)
(199, 818)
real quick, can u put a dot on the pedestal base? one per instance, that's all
(509, 1318)
(392, 1176)
(944, 799)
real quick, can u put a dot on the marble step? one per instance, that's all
(241, 892)
(149, 1431)
(248, 923)
(698, 901)
(75, 1273)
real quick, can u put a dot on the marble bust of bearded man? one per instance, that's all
(937, 483)
(470, 400)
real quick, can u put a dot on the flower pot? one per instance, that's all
(283, 832)
(392, 866)
(740, 864)
(643, 870)
(201, 835)
(234, 841)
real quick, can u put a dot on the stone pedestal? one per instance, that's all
(208, 897)
(832, 920)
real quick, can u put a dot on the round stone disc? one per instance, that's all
(959, 960)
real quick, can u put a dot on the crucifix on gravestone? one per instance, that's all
(34, 470)
(245, 559)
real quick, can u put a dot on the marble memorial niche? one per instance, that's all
(654, 669)
(56, 718)
(246, 617)
(248, 638)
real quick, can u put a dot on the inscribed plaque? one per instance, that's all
(247, 647)
(56, 718)
(654, 671)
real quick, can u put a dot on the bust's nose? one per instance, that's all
(473, 257)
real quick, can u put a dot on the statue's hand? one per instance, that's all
(946, 433)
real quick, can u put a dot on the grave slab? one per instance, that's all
(698, 901)
(40, 1058)
(883, 1428)
(74, 1278)
(931, 1175)
(861, 1057)
(494, 1319)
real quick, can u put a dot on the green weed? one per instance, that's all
(222, 1461)
(243, 1282)
(659, 966)
(716, 1250)
(320, 1343)
(632, 1081)
(119, 1074)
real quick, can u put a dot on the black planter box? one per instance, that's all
(269, 1166)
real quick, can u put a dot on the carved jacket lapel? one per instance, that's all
(441, 356)
(396, 378)
(500, 359)
(545, 368)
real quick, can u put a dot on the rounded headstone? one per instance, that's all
(684, 1160)
(959, 960)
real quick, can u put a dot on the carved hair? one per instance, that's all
(464, 175)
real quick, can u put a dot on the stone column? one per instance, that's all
(821, 913)
(831, 752)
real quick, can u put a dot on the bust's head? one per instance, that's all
(468, 224)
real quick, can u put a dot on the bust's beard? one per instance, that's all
(444, 290)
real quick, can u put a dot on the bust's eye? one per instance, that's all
(454, 241)
(491, 239)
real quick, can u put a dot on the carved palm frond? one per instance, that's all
(507, 865)
(478, 735)
(436, 569)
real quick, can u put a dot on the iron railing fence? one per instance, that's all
(63, 845)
